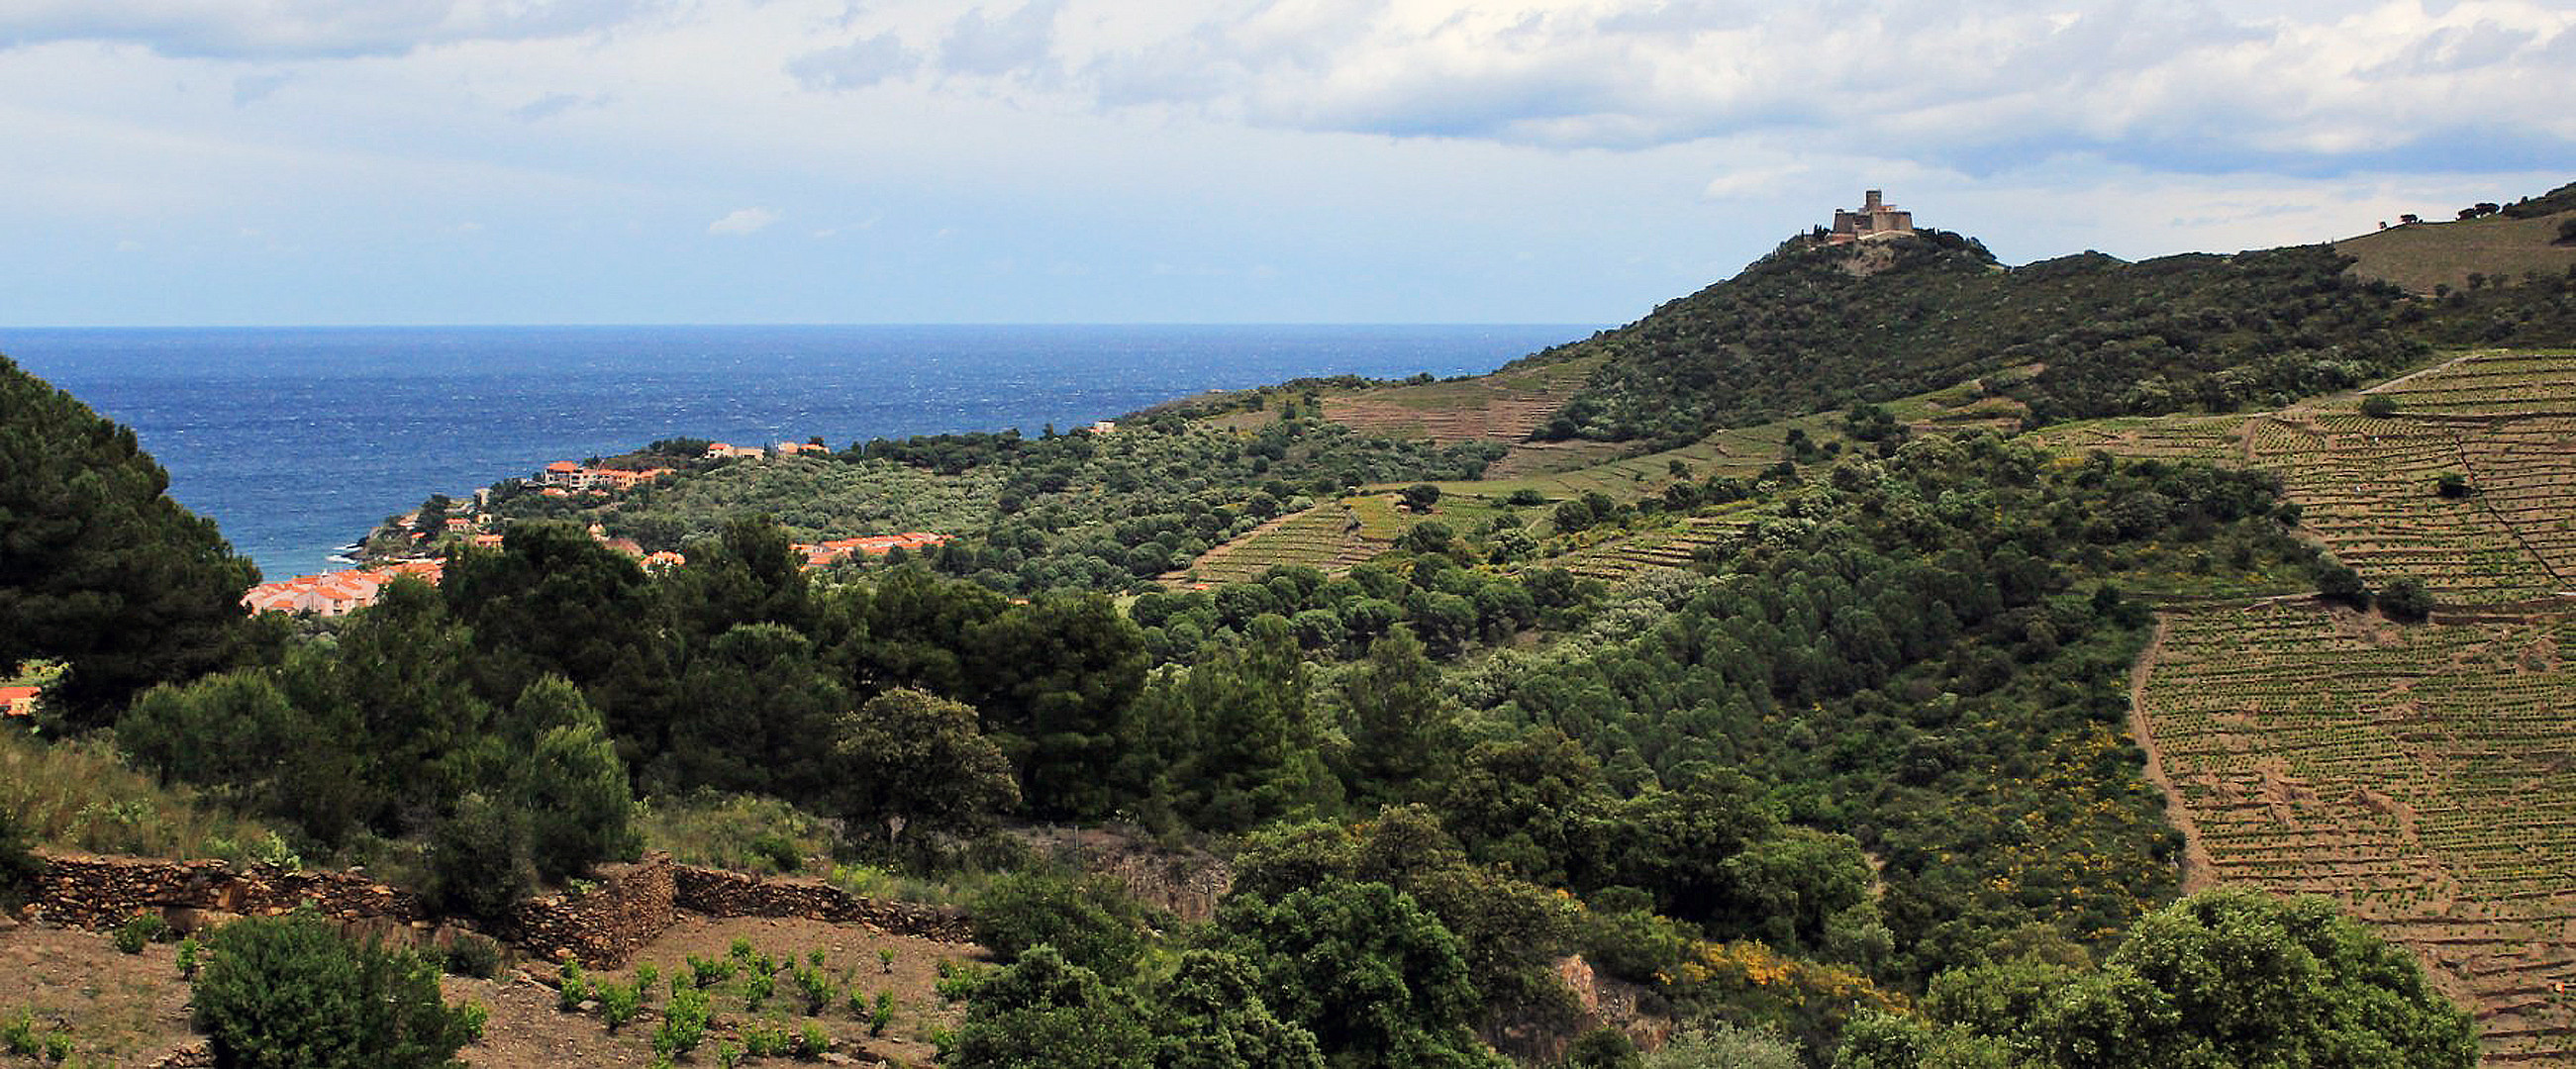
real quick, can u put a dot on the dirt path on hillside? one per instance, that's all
(2198, 872)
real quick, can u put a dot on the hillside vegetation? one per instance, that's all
(1820, 697)
(1814, 327)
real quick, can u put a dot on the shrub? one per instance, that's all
(2337, 581)
(684, 1022)
(474, 955)
(618, 1004)
(2451, 484)
(290, 992)
(1634, 944)
(188, 958)
(762, 1041)
(815, 986)
(139, 929)
(570, 988)
(2406, 598)
(811, 1042)
(1088, 920)
(19, 1035)
(707, 974)
(18, 866)
(882, 1014)
(478, 860)
(2379, 406)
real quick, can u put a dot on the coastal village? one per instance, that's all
(339, 593)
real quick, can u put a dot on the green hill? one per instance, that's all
(2537, 235)
(1816, 326)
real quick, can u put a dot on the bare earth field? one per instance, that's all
(129, 1010)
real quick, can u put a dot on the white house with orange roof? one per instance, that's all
(19, 701)
(338, 593)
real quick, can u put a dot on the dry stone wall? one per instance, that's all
(629, 907)
(718, 893)
(88, 891)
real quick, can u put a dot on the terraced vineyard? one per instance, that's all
(1620, 558)
(2423, 776)
(1506, 405)
(2505, 423)
(2217, 439)
(1329, 536)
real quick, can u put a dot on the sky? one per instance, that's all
(215, 162)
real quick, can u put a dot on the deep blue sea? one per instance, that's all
(297, 440)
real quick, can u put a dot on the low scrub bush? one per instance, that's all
(474, 955)
(139, 930)
(741, 832)
(292, 993)
(571, 989)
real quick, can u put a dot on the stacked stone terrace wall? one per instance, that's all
(89, 891)
(718, 893)
(631, 906)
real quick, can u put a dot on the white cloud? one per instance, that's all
(856, 65)
(743, 221)
(276, 29)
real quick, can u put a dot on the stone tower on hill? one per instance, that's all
(1874, 219)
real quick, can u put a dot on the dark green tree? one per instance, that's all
(1400, 722)
(99, 568)
(2406, 598)
(1235, 734)
(1376, 978)
(1055, 677)
(569, 782)
(1041, 1012)
(1209, 1015)
(2229, 977)
(912, 761)
(1089, 920)
(554, 600)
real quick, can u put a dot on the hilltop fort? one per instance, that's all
(1876, 218)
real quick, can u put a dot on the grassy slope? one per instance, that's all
(2421, 256)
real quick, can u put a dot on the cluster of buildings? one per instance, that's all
(343, 592)
(563, 477)
(338, 593)
(820, 554)
(721, 451)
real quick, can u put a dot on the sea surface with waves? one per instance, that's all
(297, 440)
